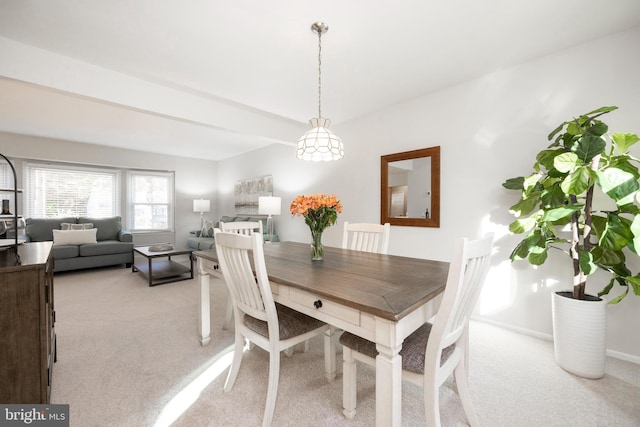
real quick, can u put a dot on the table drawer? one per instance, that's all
(327, 307)
(208, 266)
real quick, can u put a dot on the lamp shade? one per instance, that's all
(319, 143)
(269, 205)
(201, 205)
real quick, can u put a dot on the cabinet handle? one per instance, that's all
(317, 304)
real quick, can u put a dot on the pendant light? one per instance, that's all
(319, 143)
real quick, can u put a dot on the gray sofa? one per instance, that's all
(203, 239)
(113, 244)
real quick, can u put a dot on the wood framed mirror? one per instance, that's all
(410, 188)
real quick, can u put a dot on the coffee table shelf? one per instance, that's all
(159, 270)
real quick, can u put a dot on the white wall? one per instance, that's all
(489, 130)
(193, 178)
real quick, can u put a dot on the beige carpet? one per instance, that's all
(129, 355)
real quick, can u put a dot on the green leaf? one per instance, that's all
(598, 129)
(514, 183)
(623, 141)
(546, 158)
(635, 226)
(635, 284)
(617, 233)
(553, 197)
(531, 181)
(577, 182)
(521, 251)
(621, 186)
(537, 259)
(558, 213)
(522, 225)
(606, 289)
(556, 130)
(525, 206)
(620, 297)
(607, 257)
(566, 162)
(589, 146)
(586, 263)
(601, 110)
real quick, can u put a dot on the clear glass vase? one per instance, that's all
(317, 251)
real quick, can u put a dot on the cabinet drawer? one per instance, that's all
(330, 308)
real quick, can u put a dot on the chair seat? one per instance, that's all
(412, 352)
(291, 323)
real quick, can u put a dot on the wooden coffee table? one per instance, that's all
(159, 270)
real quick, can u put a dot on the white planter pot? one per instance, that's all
(579, 334)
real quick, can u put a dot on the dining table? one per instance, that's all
(382, 298)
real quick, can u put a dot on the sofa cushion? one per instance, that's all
(108, 228)
(74, 226)
(65, 251)
(207, 229)
(40, 229)
(105, 247)
(227, 218)
(74, 237)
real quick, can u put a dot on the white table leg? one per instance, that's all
(330, 353)
(388, 387)
(205, 307)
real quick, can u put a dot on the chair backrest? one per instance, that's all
(468, 269)
(250, 292)
(242, 227)
(366, 237)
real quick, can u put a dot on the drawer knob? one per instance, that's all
(317, 304)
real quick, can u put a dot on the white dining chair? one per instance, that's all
(242, 227)
(366, 237)
(267, 324)
(434, 351)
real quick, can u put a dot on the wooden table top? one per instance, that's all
(387, 286)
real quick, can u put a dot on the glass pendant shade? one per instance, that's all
(319, 144)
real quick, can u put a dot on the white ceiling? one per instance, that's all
(213, 78)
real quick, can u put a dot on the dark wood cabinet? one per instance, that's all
(27, 317)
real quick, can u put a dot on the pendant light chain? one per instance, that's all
(319, 73)
(319, 143)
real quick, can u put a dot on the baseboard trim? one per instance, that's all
(547, 337)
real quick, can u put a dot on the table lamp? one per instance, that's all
(201, 205)
(269, 205)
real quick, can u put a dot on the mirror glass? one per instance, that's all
(410, 188)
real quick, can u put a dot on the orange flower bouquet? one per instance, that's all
(319, 211)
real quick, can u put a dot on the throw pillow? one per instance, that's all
(73, 226)
(207, 229)
(74, 237)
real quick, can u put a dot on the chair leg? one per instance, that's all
(349, 371)
(272, 389)
(461, 375)
(235, 364)
(288, 351)
(228, 315)
(432, 403)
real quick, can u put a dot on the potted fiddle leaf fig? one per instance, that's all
(581, 203)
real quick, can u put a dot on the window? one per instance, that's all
(6, 178)
(55, 191)
(150, 201)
